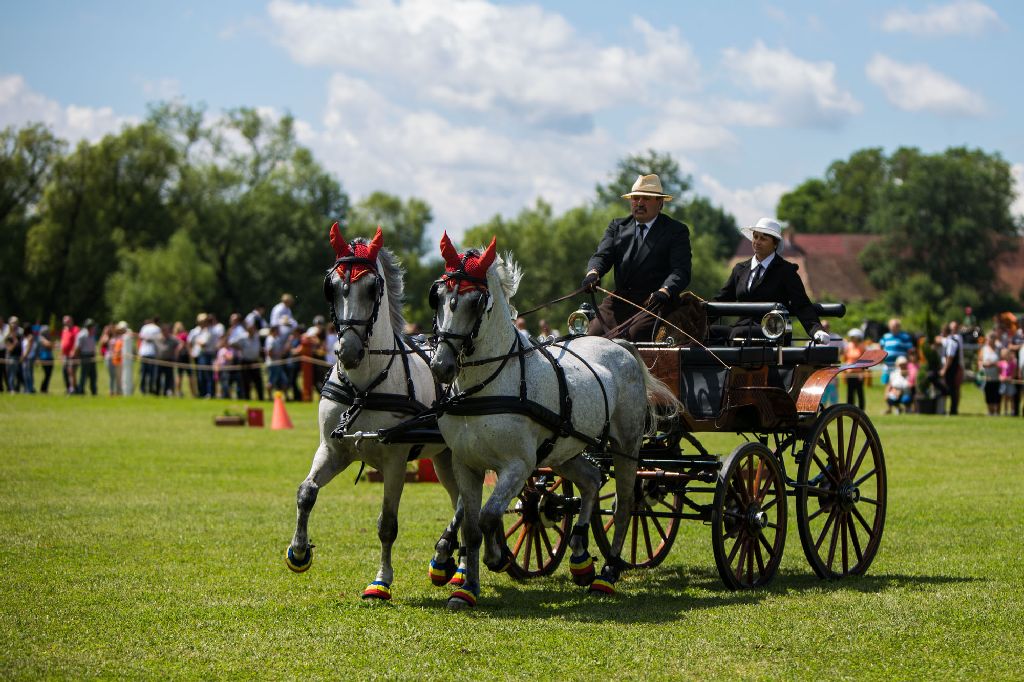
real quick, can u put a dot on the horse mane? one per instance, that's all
(394, 276)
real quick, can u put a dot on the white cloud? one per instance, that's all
(20, 105)
(746, 204)
(800, 92)
(467, 173)
(966, 17)
(162, 89)
(520, 61)
(916, 87)
(1017, 208)
(682, 126)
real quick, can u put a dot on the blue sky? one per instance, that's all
(481, 106)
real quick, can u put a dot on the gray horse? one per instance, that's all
(508, 403)
(380, 379)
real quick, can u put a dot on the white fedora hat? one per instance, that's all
(647, 186)
(766, 226)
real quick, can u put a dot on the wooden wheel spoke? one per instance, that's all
(772, 525)
(547, 541)
(732, 552)
(864, 523)
(760, 559)
(647, 538)
(767, 545)
(837, 527)
(840, 442)
(519, 522)
(738, 484)
(753, 476)
(852, 446)
(829, 471)
(844, 523)
(860, 458)
(770, 503)
(633, 537)
(819, 492)
(816, 514)
(826, 445)
(735, 495)
(538, 553)
(868, 500)
(742, 558)
(657, 527)
(865, 477)
(855, 541)
(609, 524)
(528, 536)
(828, 524)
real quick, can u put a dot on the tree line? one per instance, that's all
(184, 212)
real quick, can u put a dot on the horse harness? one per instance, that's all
(345, 392)
(350, 323)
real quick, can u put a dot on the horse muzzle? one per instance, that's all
(351, 349)
(443, 365)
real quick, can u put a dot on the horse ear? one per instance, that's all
(376, 243)
(488, 257)
(341, 247)
(448, 252)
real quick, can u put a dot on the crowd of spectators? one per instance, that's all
(255, 355)
(250, 356)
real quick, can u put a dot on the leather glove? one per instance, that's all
(590, 281)
(821, 337)
(656, 301)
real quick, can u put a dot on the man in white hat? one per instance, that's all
(650, 253)
(768, 278)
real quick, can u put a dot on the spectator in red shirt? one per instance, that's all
(68, 333)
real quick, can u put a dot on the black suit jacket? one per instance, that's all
(780, 283)
(662, 260)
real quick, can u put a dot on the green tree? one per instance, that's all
(27, 158)
(844, 201)
(673, 181)
(170, 281)
(704, 218)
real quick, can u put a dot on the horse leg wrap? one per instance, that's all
(605, 583)
(504, 561)
(464, 595)
(460, 573)
(378, 589)
(441, 574)
(582, 569)
(296, 565)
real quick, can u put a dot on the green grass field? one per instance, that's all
(143, 542)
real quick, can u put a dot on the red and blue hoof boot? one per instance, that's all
(582, 569)
(441, 574)
(602, 585)
(461, 598)
(295, 564)
(459, 579)
(378, 589)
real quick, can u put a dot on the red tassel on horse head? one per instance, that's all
(342, 249)
(476, 266)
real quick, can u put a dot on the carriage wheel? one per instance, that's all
(748, 519)
(840, 493)
(648, 538)
(539, 534)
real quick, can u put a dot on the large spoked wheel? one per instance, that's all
(653, 525)
(748, 519)
(840, 493)
(539, 536)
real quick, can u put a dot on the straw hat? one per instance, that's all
(647, 186)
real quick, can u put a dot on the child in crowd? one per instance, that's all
(224, 358)
(900, 391)
(1007, 373)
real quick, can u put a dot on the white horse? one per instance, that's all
(379, 381)
(510, 408)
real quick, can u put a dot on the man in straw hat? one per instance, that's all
(650, 253)
(767, 278)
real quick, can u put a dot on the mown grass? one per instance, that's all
(143, 542)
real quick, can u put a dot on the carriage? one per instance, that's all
(517, 409)
(768, 392)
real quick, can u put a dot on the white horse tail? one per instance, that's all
(662, 403)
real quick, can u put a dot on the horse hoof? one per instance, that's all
(602, 586)
(378, 589)
(441, 574)
(503, 563)
(460, 577)
(461, 599)
(296, 565)
(582, 570)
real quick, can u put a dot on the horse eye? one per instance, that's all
(453, 302)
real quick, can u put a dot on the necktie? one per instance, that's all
(758, 271)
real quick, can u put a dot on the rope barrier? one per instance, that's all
(180, 365)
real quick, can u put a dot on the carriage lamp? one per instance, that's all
(773, 324)
(580, 319)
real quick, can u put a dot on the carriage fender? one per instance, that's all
(812, 390)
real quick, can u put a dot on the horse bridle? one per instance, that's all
(344, 325)
(455, 279)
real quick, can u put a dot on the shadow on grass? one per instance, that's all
(663, 595)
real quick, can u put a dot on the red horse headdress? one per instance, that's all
(471, 267)
(344, 250)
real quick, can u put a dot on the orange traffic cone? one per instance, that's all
(280, 419)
